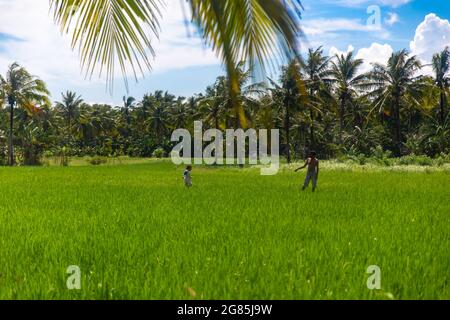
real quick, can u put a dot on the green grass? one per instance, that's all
(137, 233)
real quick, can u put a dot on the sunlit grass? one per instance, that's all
(137, 233)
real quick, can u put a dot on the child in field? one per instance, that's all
(313, 171)
(187, 177)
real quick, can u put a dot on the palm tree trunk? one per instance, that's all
(398, 134)
(238, 125)
(311, 127)
(216, 121)
(304, 132)
(442, 104)
(357, 117)
(341, 119)
(287, 126)
(68, 130)
(11, 128)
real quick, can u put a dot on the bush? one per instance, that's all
(358, 159)
(96, 161)
(381, 157)
(415, 160)
(3, 156)
(380, 154)
(159, 153)
(361, 159)
(63, 158)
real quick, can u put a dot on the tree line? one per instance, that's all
(319, 103)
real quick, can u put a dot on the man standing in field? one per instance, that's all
(187, 177)
(313, 171)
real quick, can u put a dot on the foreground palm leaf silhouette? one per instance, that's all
(116, 31)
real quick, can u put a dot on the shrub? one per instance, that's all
(443, 159)
(3, 156)
(63, 158)
(96, 161)
(381, 157)
(379, 153)
(423, 161)
(415, 160)
(362, 160)
(159, 153)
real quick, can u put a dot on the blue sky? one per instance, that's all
(184, 66)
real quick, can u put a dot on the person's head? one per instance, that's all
(313, 154)
(189, 168)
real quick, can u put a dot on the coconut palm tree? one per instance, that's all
(441, 67)
(291, 94)
(158, 121)
(214, 105)
(389, 84)
(69, 105)
(179, 113)
(220, 103)
(128, 104)
(344, 74)
(316, 72)
(21, 89)
(110, 31)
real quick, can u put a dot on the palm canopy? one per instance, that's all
(387, 83)
(70, 102)
(345, 73)
(316, 67)
(441, 67)
(390, 84)
(22, 89)
(110, 31)
(69, 106)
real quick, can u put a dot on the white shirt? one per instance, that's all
(187, 178)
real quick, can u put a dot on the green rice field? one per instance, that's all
(136, 232)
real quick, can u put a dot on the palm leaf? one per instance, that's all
(110, 31)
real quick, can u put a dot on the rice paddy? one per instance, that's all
(136, 232)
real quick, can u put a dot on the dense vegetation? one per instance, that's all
(321, 103)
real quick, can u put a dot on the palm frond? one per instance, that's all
(110, 31)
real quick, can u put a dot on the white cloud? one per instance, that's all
(376, 53)
(316, 27)
(389, 3)
(432, 36)
(392, 19)
(42, 49)
(335, 51)
(328, 28)
(177, 47)
(394, 3)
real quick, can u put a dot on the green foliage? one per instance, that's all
(96, 161)
(159, 153)
(332, 116)
(415, 160)
(381, 154)
(63, 156)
